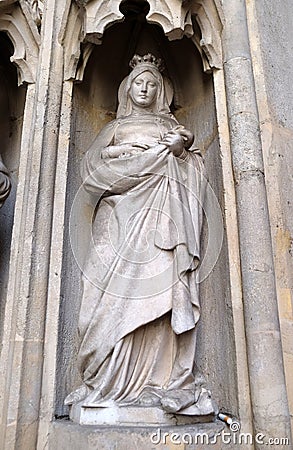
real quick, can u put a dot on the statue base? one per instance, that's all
(140, 415)
(67, 435)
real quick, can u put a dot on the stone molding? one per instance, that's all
(37, 9)
(178, 18)
(173, 16)
(208, 16)
(73, 54)
(16, 21)
(97, 15)
(88, 22)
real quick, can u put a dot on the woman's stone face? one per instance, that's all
(143, 89)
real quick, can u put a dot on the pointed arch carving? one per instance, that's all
(208, 16)
(173, 16)
(177, 18)
(24, 35)
(97, 16)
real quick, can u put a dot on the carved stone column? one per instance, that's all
(266, 370)
(22, 355)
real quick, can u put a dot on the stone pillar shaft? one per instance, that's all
(22, 355)
(266, 371)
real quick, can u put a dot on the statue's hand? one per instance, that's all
(174, 141)
(188, 136)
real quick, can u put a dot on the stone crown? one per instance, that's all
(148, 59)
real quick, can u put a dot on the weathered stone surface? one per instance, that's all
(25, 37)
(256, 253)
(272, 60)
(231, 122)
(136, 416)
(69, 436)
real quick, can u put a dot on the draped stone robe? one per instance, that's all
(140, 300)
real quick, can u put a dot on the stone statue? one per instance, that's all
(5, 184)
(140, 302)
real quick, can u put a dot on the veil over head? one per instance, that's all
(164, 93)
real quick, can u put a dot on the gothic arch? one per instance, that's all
(17, 22)
(200, 20)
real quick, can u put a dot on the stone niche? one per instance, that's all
(94, 104)
(12, 100)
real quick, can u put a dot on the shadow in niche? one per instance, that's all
(94, 104)
(12, 99)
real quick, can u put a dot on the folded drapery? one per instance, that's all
(146, 247)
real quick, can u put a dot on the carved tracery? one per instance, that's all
(177, 18)
(23, 33)
(37, 9)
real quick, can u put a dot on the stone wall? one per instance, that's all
(231, 64)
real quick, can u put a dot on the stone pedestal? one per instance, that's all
(66, 435)
(136, 416)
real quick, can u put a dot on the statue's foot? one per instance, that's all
(149, 399)
(206, 404)
(176, 400)
(77, 395)
(93, 399)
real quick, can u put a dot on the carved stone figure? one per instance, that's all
(5, 184)
(140, 302)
